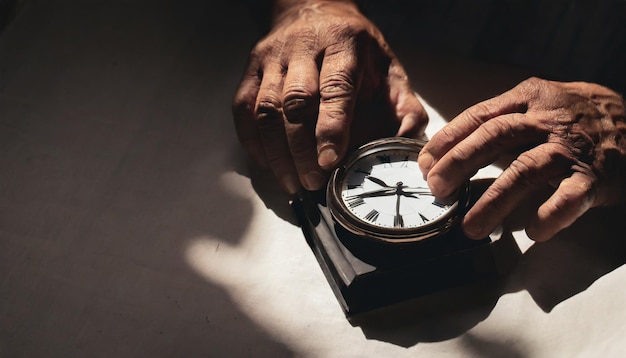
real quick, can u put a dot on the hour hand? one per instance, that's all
(370, 194)
(377, 181)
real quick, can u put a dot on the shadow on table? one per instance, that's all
(551, 272)
(116, 147)
(568, 264)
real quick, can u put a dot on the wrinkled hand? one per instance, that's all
(323, 80)
(571, 136)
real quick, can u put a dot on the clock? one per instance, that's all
(381, 236)
(380, 194)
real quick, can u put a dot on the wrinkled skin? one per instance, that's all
(322, 81)
(567, 136)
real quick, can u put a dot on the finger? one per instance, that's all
(573, 197)
(531, 170)
(269, 116)
(301, 88)
(412, 115)
(481, 148)
(340, 77)
(467, 122)
(300, 106)
(243, 107)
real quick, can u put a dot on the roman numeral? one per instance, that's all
(441, 205)
(425, 219)
(384, 159)
(372, 215)
(405, 163)
(398, 221)
(355, 201)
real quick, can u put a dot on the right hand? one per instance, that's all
(570, 136)
(322, 81)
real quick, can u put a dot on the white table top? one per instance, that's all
(132, 226)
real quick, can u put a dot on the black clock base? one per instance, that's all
(365, 278)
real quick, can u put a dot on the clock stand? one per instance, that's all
(366, 276)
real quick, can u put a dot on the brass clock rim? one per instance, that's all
(391, 235)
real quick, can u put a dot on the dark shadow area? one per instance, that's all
(551, 272)
(115, 133)
(475, 346)
(432, 318)
(8, 10)
(268, 190)
(559, 40)
(569, 263)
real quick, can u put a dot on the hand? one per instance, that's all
(398, 221)
(571, 136)
(322, 81)
(374, 193)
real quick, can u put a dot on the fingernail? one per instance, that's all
(327, 157)
(313, 180)
(425, 161)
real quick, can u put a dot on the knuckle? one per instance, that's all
(457, 155)
(244, 100)
(492, 198)
(241, 108)
(266, 46)
(532, 87)
(269, 106)
(499, 132)
(479, 111)
(269, 116)
(533, 81)
(447, 134)
(336, 85)
(297, 93)
(298, 103)
(348, 28)
(524, 170)
(563, 201)
(580, 193)
(532, 84)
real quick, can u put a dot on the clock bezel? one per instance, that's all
(360, 227)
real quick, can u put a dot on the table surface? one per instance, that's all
(132, 225)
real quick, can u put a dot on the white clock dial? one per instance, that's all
(387, 189)
(380, 192)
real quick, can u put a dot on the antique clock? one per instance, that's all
(381, 236)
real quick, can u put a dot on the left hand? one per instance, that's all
(571, 136)
(322, 81)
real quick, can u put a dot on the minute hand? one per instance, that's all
(420, 191)
(369, 194)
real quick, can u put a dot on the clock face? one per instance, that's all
(381, 192)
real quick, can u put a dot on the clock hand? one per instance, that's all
(419, 191)
(397, 220)
(378, 181)
(369, 194)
